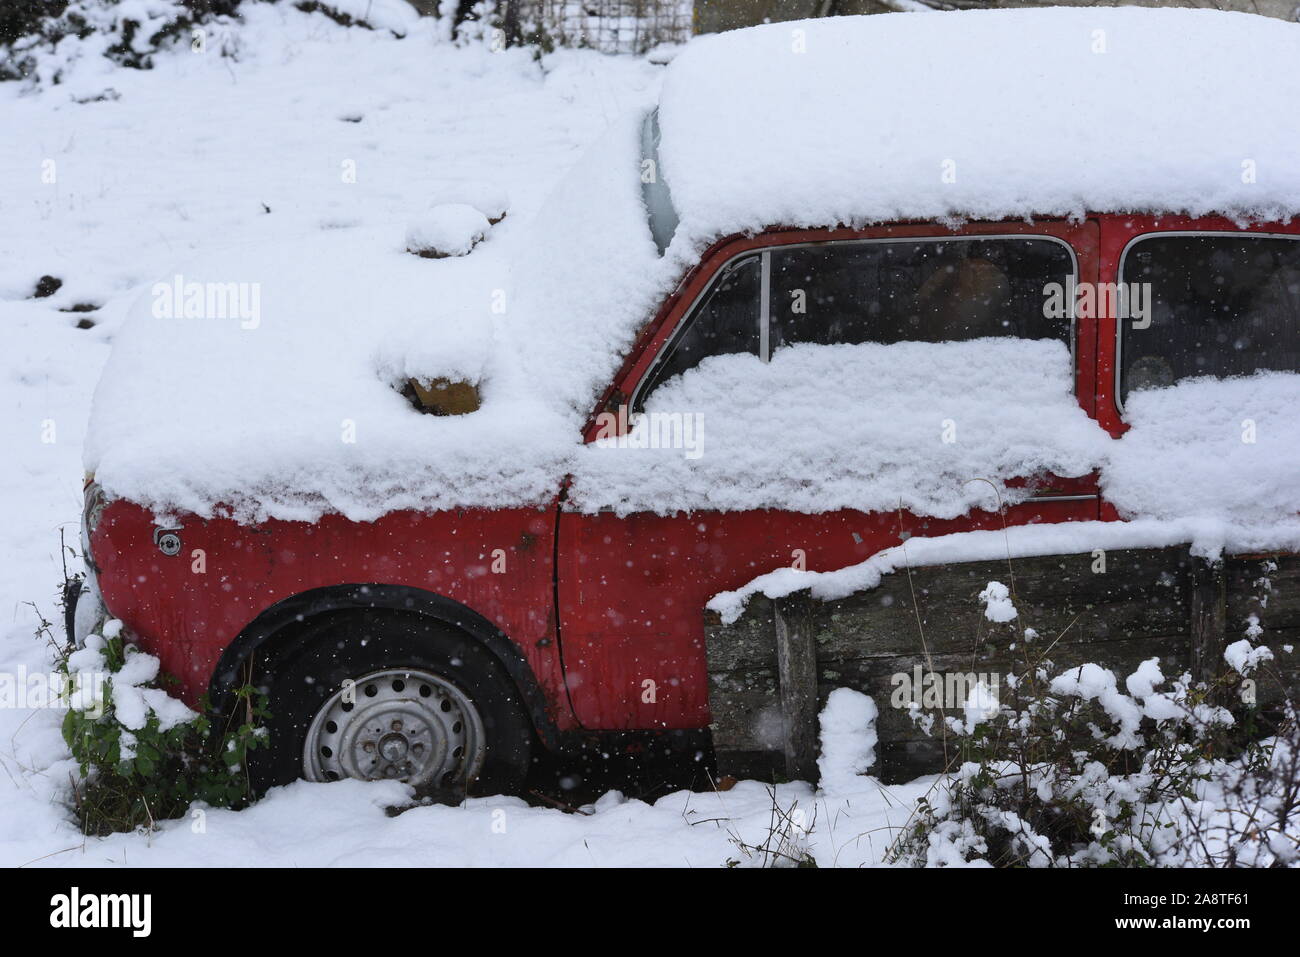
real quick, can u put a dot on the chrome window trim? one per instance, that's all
(1119, 278)
(765, 305)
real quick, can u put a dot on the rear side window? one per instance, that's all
(1218, 306)
(934, 290)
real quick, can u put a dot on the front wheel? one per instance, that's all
(394, 697)
(401, 724)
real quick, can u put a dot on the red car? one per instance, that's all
(393, 648)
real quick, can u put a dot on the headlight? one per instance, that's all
(91, 512)
(85, 609)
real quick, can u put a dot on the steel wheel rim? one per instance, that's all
(397, 724)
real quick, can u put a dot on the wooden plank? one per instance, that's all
(1058, 596)
(796, 665)
(747, 642)
(1266, 587)
(771, 669)
(876, 677)
(746, 710)
(1209, 616)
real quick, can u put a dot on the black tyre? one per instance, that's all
(390, 696)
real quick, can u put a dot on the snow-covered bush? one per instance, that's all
(22, 17)
(398, 17)
(144, 755)
(1074, 772)
(41, 39)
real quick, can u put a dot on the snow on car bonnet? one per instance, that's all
(264, 380)
(293, 410)
(982, 114)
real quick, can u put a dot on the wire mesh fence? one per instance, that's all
(610, 26)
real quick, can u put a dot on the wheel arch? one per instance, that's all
(277, 624)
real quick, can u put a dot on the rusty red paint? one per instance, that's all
(188, 619)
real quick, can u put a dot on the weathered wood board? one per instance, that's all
(771, 670)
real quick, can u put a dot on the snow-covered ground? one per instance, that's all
(204, 153)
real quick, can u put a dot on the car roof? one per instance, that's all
(982, 114)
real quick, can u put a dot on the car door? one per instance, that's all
(632, 584)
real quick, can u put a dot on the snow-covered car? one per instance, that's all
(854, 283)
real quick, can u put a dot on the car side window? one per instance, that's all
(881, 291)
(1217, 306)
(929, 291)
(726, 321)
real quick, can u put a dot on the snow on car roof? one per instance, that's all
(983, 114)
